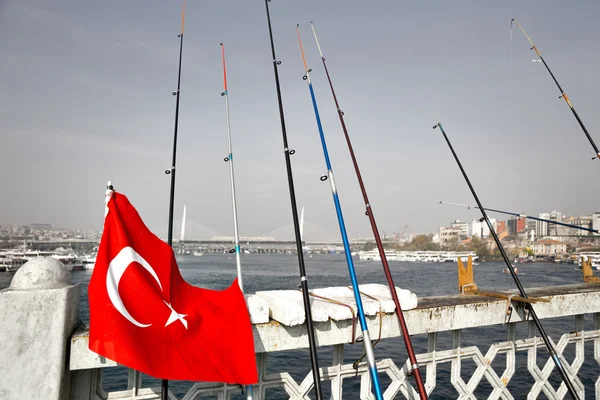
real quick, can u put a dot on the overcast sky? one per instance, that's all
(86, 97)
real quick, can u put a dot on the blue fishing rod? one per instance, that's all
(553, 353)
(338, 209)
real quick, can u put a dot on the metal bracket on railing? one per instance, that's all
(509, 309)
(588, 272)
(466, 285)
(339, 303)
(357, 362)
(465, 277)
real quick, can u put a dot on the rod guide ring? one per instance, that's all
(323, 178)
(292, 152)
(222, 93)
(226, 159)
(167, 171)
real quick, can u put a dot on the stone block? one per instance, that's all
(39, 312)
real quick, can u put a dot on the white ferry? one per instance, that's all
(13, 259)
(418, 256)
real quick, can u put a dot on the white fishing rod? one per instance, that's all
(229, 159)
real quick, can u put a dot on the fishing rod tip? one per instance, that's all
(297, 25)
(220, 44)
(436, 125)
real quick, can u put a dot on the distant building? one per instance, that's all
(541, 227)
(585, 222)
(553, 228)
(463, 228)
(46, 227)
(449, 234)
(596, 222)
(516, 225)
(547, 247)
(480, 228)
(500, 227)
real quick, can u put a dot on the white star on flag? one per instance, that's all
(175, 316)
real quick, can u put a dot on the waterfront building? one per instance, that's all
(546, 247)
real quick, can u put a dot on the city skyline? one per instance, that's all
(90, 101)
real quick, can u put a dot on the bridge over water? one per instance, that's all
(191, 236)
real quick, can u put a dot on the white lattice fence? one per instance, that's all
(401, 385)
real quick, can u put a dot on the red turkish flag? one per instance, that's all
(144, 315)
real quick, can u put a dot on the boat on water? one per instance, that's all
(198, 253)
(506, 271)
(418, 256)
(89, 261)
(12, 260)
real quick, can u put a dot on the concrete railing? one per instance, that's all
(457, 314)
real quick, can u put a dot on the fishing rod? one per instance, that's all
(361, 314)
(521, 215)
(303, 280)
(553, 354)
(229, 159)
(164, 394)
(369, 211)
(562, 92)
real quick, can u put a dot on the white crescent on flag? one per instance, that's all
(116, 269)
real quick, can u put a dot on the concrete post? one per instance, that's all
(38, 314)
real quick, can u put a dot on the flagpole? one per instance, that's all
(164, 395)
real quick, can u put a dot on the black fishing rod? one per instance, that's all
(562, 92)
(521, 215)
(303, 280)
(369, 212)
(164, 394)
(553, 354)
